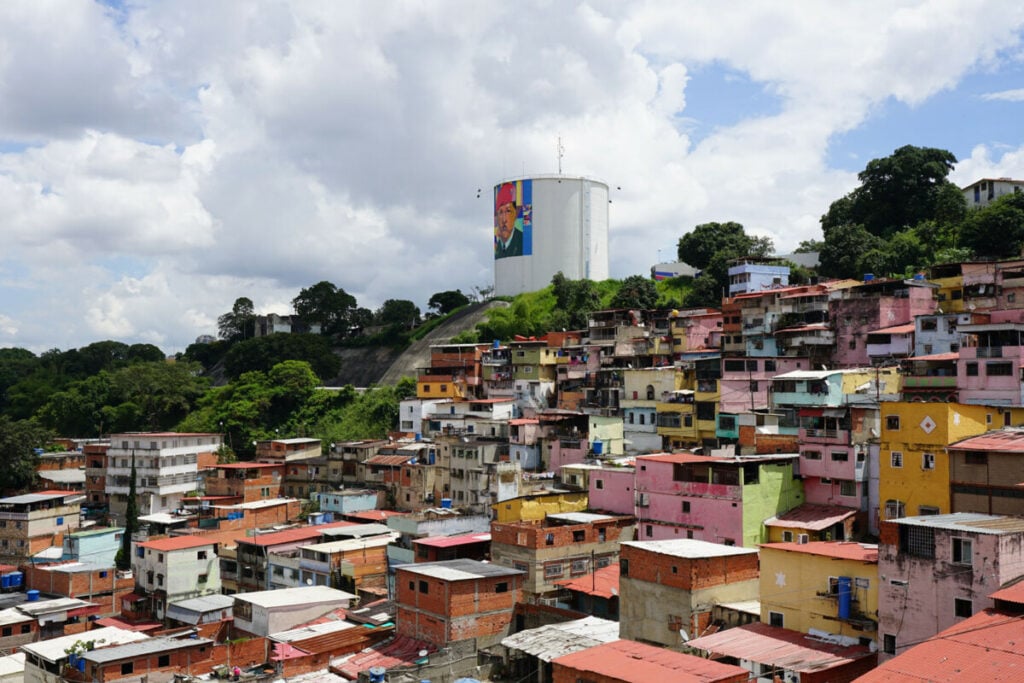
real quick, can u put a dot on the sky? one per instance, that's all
(158, 160)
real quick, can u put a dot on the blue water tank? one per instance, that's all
(497, 344)
(868, 277)
(419, 437)
(5, 582)
(377, 674)
(446, 502)
(32, 595)
(598, 447)
(81, 665)
(431, 457)
(845, 596)
(16, 579)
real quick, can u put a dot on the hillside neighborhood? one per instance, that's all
(815, 482)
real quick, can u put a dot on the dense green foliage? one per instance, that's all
(18, 441)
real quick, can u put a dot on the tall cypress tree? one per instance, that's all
(131, 525)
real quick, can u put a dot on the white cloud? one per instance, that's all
(1015, 95)
(208, 151)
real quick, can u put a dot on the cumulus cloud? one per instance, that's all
(1015, 95)
(205, 152)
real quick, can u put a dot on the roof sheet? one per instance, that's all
(895, 329)
(52, 650)
(626, 660)
(453, 541)
(36, 497)
(812, 517)
(12, 665)
(63, 476)
(1005, 440)
(291, 535)
(311, 631)
(604, 583)
(779, 647)
(389, 460)
(358, 531)
(142, 648)
(983, 647)
(303, 595)
(400, 651)
(376, 515)
(458, 570)
(556, 640)
(839, 550)
(177, 543)
(1013, 592)
(952, 355)
(580, 517)
(206, 603)
(968, 521)
(690, 548)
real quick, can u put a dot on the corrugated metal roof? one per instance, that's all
(53, 650)
(311, 631)
(811, 516)
(207, 603)
(453, 541)
(779, 647)
(580, 517)
(458, 570)
(690, 548)
(177, 543)
(357, 531)
(557, 640)
(401, 651)
(604, 583)
(303, 595)
(952, 355)
(968, 521)
(142, 648)
(839, 550)
(390, 460)
(895, 329)
(36, 497)
(1005, 440)
(291, 535)
(1011, 593)
(632, 662)
(983, 647)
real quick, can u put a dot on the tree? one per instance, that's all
(996, 230)
(239, 323)
(18, 441)
(263, 353)
(328, 306)
(844, 246)
(896, 192)
(701, 244)
(575, 300)
(444, 303)
(636, 291)
(399, 312)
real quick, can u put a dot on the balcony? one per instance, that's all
(929, 382)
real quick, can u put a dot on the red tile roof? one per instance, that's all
(682, 458)
(895, 329)
(780, 647)
(177, 543)
(629, 661)
(812, 517)
(604, 583)
(984, 647)
(1004, 440)
(1012, 593)
(524, 421)
(952, 355)
(453, 541)
(839, 550)
(391, 460)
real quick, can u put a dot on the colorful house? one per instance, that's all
(717, 499)
(821, 588)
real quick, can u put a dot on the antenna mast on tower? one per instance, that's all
(561, 152)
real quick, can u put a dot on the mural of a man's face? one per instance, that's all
(506, 221)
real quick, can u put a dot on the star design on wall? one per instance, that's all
(928, 425)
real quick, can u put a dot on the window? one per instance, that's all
(578, 536)
(6, 631)
(1001, 369)
(424, 587)
(840, 456)
(862, 582)
(896, 459)
(971, 369)
(812, 455)
(892, 422)
(927, 461)
(686, 506)
(26, 628)
(127, 668)
(963, 551)
(549, 539)
(976, 458)
(917, 541)
(599, 484)
(649, 530)
(962, 608)
(159, 579)
(925, 510)
(889, 644)
(201, 555)
(623, 567)
(787, 536)
(769, 366)
(579, 567)
(163, 660)
(894, 509)
(553, 570)
(202, 578)
(833, 585)
(847, 487)
(776, 619)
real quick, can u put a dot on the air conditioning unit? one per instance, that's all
(802, 538)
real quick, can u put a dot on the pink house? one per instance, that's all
(938, 570)
(611, 490)
(746, 382)
(873, 306)
(989, 371)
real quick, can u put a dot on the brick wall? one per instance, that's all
(105, 591)
(244, 653)
(534, 535)
(189, 660)
(689, 574)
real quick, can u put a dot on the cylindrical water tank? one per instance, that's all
(845, 596)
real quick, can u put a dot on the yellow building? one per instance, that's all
(539, 506)
(825, 586)
(914, 466)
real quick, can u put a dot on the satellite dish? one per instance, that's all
(309, 582)
(423, 653)
(683, 635)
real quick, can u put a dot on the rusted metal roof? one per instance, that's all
(552, 641)
(1012, 593)
(390, 460)
(400, 652)
(604, 583)
(453, 541)
(779, 647)
(633, 662)
(839, 550)
(952, 355)
(984, 647)
(812, 517)
(1005, 440)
